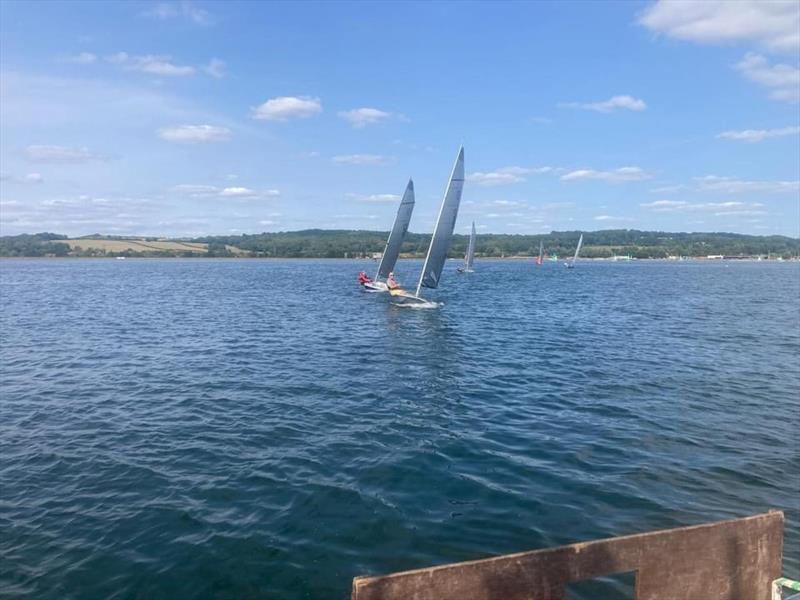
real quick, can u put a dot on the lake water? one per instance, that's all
(247, 428)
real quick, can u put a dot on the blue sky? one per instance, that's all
(194, 118)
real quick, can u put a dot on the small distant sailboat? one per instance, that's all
(571, 264)
(540, 258)
(440, 242)
(395, 242)
(469, 257)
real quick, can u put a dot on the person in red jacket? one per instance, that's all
(363, 278)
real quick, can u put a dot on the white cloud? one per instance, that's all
(196, 190)
(361, 117)
(615, 176)
(607, 106)
(64, 154)
(782, 80)
(506, 203)
(665, 205)
(733, 185)
(118, 59)
(361, 159)
(173, 10)
(772, 24)
(758, 135)
(505, 175)
(611, 218)
(161, 65)
(33, 178)
(668, 189)
(238, 192)
(208, 191)
(717, 209)
(725, 185)
(288, 107)
(373, 197)
(215, 68)
(195, 133)
(29, 178)
(740, 213)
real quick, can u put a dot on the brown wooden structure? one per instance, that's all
(727, 560)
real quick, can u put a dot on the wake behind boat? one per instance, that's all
(440, 242)
(393, 245)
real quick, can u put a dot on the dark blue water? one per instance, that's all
(245, 428)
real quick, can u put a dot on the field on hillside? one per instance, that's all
(136, 245)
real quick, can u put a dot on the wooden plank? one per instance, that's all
(726, 560)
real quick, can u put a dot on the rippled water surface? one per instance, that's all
(245, 428)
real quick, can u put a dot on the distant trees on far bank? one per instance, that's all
(320, 243)
(37, 244)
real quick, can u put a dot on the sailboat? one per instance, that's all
(540, 258)
(571, 264)
(469, 257)
(440, 242)
(392, 250)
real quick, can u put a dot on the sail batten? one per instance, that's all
(445, 224)
(395, 242)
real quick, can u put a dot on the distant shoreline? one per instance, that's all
(622, 244)
(202, 258)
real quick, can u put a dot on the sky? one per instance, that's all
(206, 118)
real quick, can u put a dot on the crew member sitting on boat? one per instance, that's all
(391, 282)
(363, 278)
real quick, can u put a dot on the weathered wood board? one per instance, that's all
(726, 560)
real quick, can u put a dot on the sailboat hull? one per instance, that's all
(403, 298)
(376, 286)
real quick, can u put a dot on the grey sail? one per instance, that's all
(469, 259)
(578, 249)
(443, 232)
(398, 234)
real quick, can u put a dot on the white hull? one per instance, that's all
(376, 286)
(403, 298)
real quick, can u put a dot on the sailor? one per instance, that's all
(391, 282)
(363, 278)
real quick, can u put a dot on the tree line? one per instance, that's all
(322, 243)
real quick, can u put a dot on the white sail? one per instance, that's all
(578, 249)
(443, 232)
(469, 257)
(398, 233)
(541, 251)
